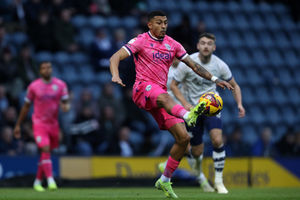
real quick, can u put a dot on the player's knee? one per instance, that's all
(163, 100)
(184, 140)
(197, 152)
(217, 142)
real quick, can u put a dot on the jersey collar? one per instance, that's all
(154, 38)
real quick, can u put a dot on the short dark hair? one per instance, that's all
(208, 35)
(42, 62)
(155, 13)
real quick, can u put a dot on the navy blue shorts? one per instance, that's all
(203, 123)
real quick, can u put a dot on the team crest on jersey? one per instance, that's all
(38, 139)
(168, 46)
(148, 88)
(54, 87)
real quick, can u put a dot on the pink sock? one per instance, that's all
(171, 167)
(39, 173)
(46, 164)
(178, 111)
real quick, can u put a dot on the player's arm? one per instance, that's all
(237, 94)
(177, 93)
(201, 71)
(22, 116)
(65, 105)
(114, 65)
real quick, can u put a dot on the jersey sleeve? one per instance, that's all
(225, 72)
(180, 51)
(134, 45)
(64, 92)
(180, 72)
(30, 94)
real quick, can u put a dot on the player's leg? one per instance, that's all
(53, 132)
(47, 166)
(177, 152)
(41, 140)
(195, 153)
(195, 158)
(218, 156)
(166, 101)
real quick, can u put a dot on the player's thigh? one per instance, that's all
(164, 120)
(145, 95)
(180, 133)
(41, 136)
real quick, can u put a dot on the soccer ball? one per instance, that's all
(214, 103)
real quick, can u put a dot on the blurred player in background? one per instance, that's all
(47, 94)
(195, 86)
(153, 53)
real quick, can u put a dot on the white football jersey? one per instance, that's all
(170, 78)
(195, 85)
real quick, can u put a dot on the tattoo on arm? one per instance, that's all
(201, 71)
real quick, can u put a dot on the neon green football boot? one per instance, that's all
(52, 186)
(166, 187)
(38, 188)
(194, 113)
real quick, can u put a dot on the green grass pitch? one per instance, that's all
(148, 193)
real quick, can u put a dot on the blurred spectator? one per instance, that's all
(108, 98)
(87, 100)
(28, 70)
(122, 146)
(3, 38)
(108, 128)
(264, 145)
(183, 33)
(58, 5)
(65, 32)
(8, 67)
(8, 145)
(101, 7)
(119, 38)
(296, 148)
(236, 146)
(42, 32)
(286, 143)
(32, 9)
(84, 131)
(10, 117)
(3, 99)
(30, 148)
(101, 50)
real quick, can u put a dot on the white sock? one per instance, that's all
(165, 179)
(202, 178)
(50, 180)
(37, 182)
(185, 116)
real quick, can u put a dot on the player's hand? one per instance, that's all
(118, 81)
(242, 111)
(17, 132)
(188, 106)
(223, 84)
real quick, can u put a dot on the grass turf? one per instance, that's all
(148, 193)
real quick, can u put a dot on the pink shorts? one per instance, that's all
(145, 95)
(46, 135)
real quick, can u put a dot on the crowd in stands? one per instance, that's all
(103, 119)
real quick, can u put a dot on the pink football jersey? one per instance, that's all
(153, 57)
(46, 98)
